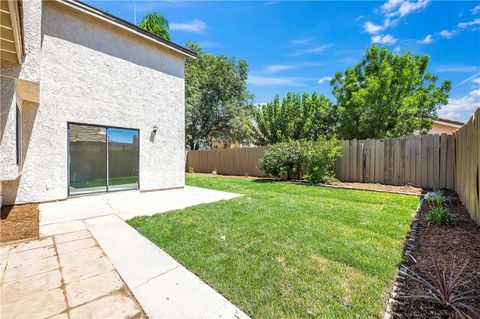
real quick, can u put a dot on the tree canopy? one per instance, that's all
(387, 95)
(218, 105)
(295, 117)
(157, 24)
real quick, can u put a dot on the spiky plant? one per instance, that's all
(444, 289)
(438, 216)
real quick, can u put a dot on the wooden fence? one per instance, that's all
(233, 161)
(467, 170)
(424, 161)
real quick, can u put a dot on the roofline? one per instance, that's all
(449, 122)
(75, 4)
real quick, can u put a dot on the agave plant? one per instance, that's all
(443, 289)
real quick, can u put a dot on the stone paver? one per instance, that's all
(61, 277)
(89, 289)
(42, 304)
(113, 306)
(18, 289)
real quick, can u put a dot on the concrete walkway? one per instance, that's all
(162, 286)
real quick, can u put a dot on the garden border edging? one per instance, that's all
(410, 245)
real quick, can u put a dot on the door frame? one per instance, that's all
(106, 127)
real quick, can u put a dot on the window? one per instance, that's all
(18, 129)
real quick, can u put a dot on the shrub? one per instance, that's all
(283, 158)
(444, 289)
(315, 159)
(320, 159)
(438, 216)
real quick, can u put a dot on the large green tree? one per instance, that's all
(157, 24)
(218, 105)
(295, 117)
(387, 95)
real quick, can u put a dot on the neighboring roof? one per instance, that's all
(127, 26)
(448, 121)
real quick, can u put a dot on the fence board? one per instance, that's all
(436, 160)
(443, 161)
(467, 165)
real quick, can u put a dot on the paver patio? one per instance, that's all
(62, 276)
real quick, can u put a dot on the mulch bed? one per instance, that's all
(19, 222)
(450, 244)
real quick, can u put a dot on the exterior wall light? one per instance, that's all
(155, 128)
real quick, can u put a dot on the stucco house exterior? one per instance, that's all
(89, 103)
(443, 125)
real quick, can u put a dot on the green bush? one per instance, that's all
(438, 216)
(315, 159)
(283, 159)
(319, 160)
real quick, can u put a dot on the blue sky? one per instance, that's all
(298, 46)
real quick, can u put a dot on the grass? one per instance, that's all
(290, 251)
(103, 181)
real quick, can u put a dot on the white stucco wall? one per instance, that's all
(12, 73)
(94, 73)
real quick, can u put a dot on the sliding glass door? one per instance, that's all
(102, 159)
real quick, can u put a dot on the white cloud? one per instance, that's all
(266, 80)
(470, 78)
(393, 11)
(314, 50)
(463, 25)
(390, 5)
(324, 79)
(274, 68)
(475, 10)
(397, 49)
(464, 104)
(427, 40)
(384, 39)
(373, 28)
(408, 7)
(195, 26)
(447, 34)
(301, 41)
(476, 80)
(457, 68)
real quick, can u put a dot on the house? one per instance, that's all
(443, 125)
(89, 103)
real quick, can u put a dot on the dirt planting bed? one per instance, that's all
(452, 244)
(19, 222)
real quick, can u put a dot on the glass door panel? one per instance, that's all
(122, 159)
(87, 155)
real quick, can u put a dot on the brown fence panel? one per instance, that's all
(425, 161)
(467, 165)
(239, 161)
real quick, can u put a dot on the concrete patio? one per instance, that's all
(163, 287)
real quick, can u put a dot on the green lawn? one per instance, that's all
(290, 251)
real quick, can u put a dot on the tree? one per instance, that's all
(387, 95)
(218, 105)
(296, 117)
(156, 24)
